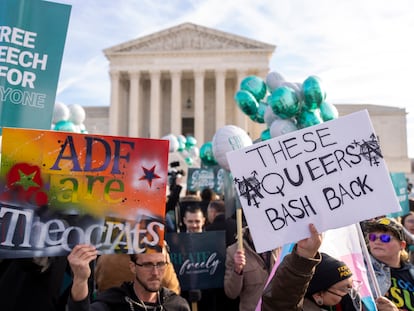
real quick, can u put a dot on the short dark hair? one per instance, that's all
(206, 194)
(157, 249)
(193, 209)
(218, 205)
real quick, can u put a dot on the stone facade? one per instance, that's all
(389, 124)
(182, 81)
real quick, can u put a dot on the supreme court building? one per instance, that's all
(182, 81)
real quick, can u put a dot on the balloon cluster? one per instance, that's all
(284, 106)
(68, 118)
(186, 146)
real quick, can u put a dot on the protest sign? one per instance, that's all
(201, 178)
(58, 189)
(400, 183)
(32, 39)
(198, 258)
(332, 174)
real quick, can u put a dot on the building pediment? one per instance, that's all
(188, 37)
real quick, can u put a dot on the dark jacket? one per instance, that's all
(26, 285)
(288, 287)
(289, 284)
(229, 225)
(124, 298)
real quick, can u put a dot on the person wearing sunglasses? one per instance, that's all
(144, 293)
(390, 260)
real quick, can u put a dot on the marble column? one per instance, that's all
(134, 105)
(220, 98)
(114, 108)
(155, 104)
(199, 106)
(176, 99)
(241, 118)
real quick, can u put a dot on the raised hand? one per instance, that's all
(309, 247)
(79, 260)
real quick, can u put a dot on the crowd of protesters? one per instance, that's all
(305, 279)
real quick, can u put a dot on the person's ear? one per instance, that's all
(318, 298)
(132, 267)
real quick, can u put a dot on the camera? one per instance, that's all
(173, 173)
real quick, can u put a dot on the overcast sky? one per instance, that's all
(362, 49)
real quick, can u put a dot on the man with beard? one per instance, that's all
(145, 293)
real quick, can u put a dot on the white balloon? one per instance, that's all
(60, 112)
(82, 128)
(228, 138)
(281, 127)
(194, 152)
(270, 116)
(274, 80)
(174, 144)
(77, 114)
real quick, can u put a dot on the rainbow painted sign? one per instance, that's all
(58, 189)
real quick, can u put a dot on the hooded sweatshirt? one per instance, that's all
(124, 298)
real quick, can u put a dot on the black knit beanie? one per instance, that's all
(327, 273)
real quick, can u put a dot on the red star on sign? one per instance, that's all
(149, 175)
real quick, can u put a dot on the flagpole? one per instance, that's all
(367, 256)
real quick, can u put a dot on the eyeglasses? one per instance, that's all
(384, 238)
(150, 265)
(351, 291)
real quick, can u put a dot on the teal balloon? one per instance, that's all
(190, 142)
(284, 102)
(259, 115)
(328, 111)
(265, 135)
(65, 126)
(309, 118)
(313, 92)
(254, 85)
(207, 155)
(246, 102)
(297, 87)
(189, 161)
(181, 142)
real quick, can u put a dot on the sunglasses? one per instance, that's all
(384, 238)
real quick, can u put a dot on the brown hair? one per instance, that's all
(218, 205)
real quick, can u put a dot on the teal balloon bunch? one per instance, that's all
(284, 106)
(64, 126)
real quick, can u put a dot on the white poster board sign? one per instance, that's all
(332, 174)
